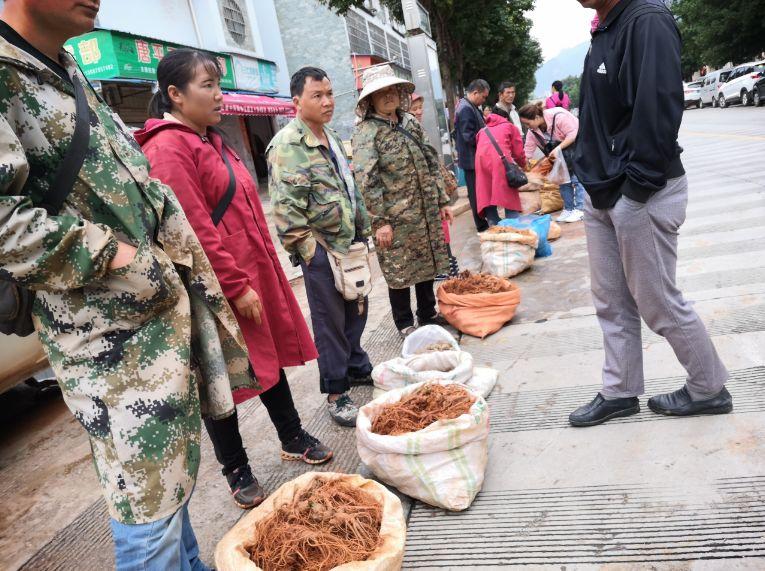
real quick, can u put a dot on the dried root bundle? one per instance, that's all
(467, 283)
(436, 347)
(423, 407)
(328, 524)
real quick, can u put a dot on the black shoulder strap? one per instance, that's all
(220, 209)
(496, 145)
(75, 155)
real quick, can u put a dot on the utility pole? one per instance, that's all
(426, 74)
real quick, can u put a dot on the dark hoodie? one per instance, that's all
(631, 105)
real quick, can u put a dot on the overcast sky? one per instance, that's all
(560, 24)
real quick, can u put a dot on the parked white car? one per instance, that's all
(712, 82)
(738, 88)
(692, 93)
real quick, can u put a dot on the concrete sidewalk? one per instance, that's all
(645, 491)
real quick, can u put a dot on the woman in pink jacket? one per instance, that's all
(555, 125)
(558, 98)
(188, 155)
(492, 189)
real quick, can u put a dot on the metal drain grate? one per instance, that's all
(549, 408)
(594, 525)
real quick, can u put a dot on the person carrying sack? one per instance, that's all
(320, 218)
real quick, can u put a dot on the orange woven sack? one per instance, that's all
(479, 314)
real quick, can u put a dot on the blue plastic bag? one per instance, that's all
(539, 224)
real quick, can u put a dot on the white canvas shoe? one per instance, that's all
(575, 216)
(564, 216)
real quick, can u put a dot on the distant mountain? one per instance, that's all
(568, 62)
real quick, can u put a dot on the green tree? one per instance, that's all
(716, 32)
(489, 39)
(571, 86)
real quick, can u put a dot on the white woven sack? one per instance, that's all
(442, 465)
(425, 336)
(441, 365)
(506, 259)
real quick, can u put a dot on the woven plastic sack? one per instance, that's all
(425, 336)
(551, 199)
(479, 314)
(456, 366)
(508, 254)
(555, 232)
(531, 201)
(231, 553)
(442, 465)
(539, 225)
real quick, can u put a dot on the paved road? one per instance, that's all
(532, 510)
(646, 491)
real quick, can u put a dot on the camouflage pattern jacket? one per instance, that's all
(132, 348)
(309, 196)
(402, 185)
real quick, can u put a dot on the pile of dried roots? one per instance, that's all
(328, 524)
(423, 407)
(542, 168)
(436, 348)
(467, 283)
(511, 230)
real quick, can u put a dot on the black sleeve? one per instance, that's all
(651, 81)
(467, 125)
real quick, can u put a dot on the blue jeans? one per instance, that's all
(573, 194)
(491, 213)
(169, 543)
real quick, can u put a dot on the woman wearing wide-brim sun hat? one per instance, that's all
(399, 176)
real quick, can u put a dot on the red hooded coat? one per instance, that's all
(490, 181)
(239, 248)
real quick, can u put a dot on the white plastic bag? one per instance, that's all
(442, 465)
(559, 173)
(424, 337)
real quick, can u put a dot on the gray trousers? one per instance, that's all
(337, 327)
(633, 261)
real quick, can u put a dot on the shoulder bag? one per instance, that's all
(516, 178)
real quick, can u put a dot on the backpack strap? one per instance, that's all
(74, 158)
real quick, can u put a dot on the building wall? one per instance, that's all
(314, 35)
(168, 20)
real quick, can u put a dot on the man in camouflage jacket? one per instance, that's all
(133, 348)
(316, 205)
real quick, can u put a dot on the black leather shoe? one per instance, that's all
(679, 403)
(600, 410)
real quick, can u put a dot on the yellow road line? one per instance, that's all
(722, 136)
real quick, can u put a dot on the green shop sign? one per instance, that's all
(103, 54)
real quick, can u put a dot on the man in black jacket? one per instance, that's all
(467, 123)
(628, 159)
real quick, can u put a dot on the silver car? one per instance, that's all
(712, 83)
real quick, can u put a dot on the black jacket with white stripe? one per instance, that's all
(631, 105)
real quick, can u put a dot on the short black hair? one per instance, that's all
(297, 82)
(505, 85)
(480, 85)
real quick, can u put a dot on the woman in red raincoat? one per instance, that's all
(491, 185)
(187, 154)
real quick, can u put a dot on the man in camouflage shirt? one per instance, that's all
(127, 306)
(317, 205)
